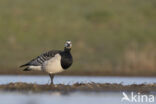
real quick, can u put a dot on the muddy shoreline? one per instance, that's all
(82, 87)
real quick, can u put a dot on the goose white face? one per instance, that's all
(68, 44)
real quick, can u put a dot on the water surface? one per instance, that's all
(4, 79)
(72, 98)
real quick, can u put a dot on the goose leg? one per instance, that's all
(51, 77)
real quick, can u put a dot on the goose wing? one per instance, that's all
(38, 61)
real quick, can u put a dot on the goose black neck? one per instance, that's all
(67, 49)
(66, 58)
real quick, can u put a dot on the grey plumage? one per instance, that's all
(38, 61)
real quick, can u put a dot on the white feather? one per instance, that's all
(35, 68)
(53, 65)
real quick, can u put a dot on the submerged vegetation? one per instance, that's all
(109, 37)
(85, 87)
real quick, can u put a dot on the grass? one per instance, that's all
(108, 36)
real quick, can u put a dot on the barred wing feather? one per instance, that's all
(38, 61)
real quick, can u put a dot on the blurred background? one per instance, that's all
(110, 37)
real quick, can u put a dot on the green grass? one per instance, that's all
(102, 31)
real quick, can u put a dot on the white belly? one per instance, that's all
(53, 65)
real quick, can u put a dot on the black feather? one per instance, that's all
(26, 69)
(66, 59)
(24, 65)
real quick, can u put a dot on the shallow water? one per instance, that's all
(4, 79)
(72, 98)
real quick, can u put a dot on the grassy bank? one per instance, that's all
(108, 36)
(71, 72)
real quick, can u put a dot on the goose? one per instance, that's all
(52, 62)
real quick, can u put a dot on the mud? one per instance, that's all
(82, 87)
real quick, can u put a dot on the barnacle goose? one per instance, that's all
(52, 62)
